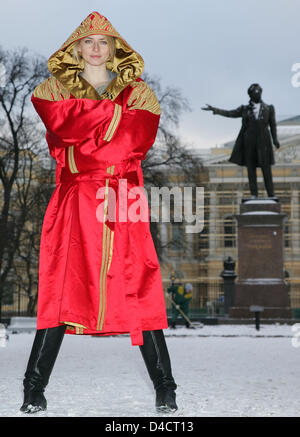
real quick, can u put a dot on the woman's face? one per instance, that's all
(94, 49)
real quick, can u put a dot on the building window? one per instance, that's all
(203, 237)
(287, 236)
(177, 237)
(229, 232)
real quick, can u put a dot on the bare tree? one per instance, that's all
(19, 136)
(170, 155)
(33, 191)
(170, 152)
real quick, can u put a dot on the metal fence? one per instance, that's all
(16, 306)
(207, 299)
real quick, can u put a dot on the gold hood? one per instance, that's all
(127, 63)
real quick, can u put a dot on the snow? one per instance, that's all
(22, 324)
(260, 201)
(221, 370)
(260, 213)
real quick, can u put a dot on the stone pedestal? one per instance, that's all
(260, 261)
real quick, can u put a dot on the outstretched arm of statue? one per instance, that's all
(233, 113)
(272, 123)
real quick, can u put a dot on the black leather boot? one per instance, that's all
(157, 360)
(44, 351)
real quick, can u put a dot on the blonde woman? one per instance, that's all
(99, 272)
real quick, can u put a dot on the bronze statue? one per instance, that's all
(253, 146)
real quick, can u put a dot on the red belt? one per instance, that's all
(129, 169)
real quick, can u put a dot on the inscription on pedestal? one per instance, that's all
(260, 251)
(260, 242)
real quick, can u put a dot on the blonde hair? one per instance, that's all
(111, 44)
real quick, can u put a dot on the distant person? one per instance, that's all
(182, 296)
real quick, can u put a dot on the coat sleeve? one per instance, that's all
(69, 120)
(140, 119)
(233, 113)
(272, 123)
(73, 121)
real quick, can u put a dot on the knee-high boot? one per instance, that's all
(156, 356)
(43, 354)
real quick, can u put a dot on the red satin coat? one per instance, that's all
(97, 277)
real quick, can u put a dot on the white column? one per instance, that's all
(213, 227)
(295, 219)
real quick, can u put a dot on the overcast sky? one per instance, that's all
(211, 49)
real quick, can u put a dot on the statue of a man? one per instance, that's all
(253, 147)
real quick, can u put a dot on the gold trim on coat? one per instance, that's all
(77, 327)
(107, 251)
(114, 123)
(110, 169)
(142, 97)
(51, 89)
(71, 159)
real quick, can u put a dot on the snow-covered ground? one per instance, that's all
(223, 370)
